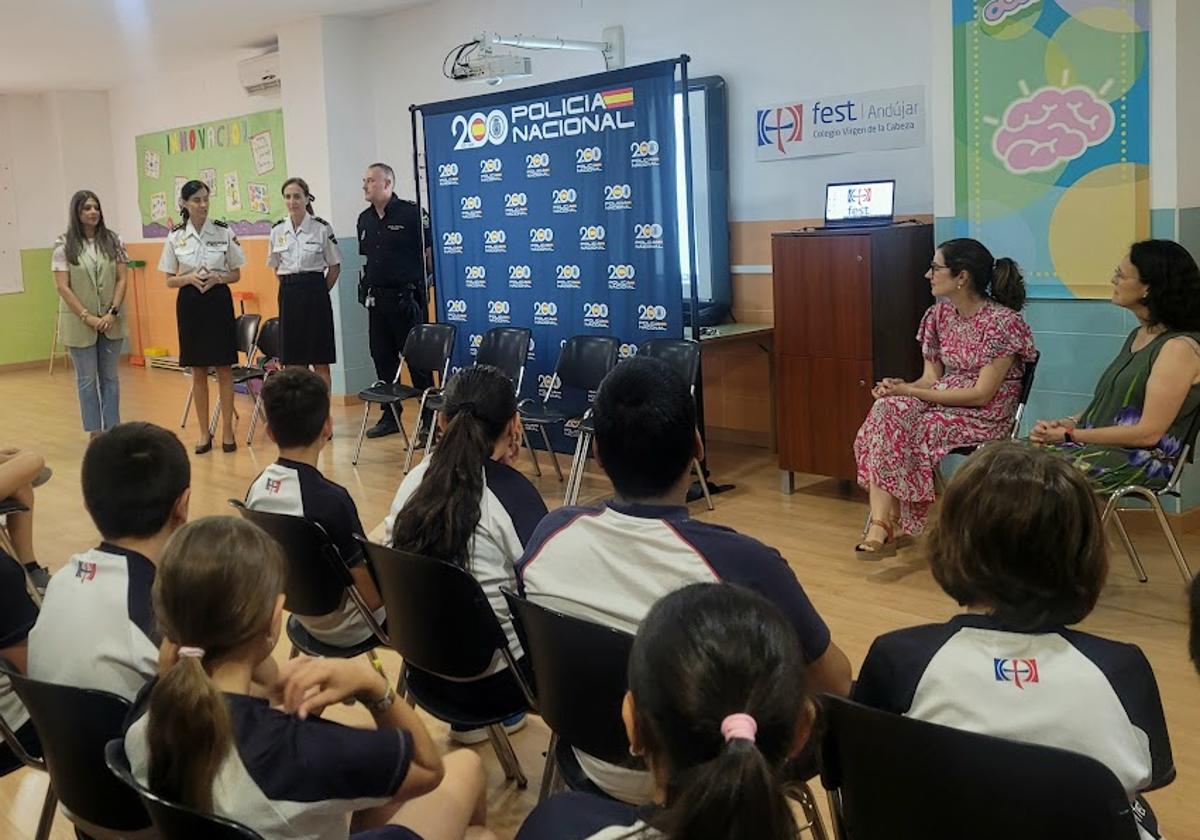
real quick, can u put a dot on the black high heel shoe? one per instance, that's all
(229, 447)
(204, 448)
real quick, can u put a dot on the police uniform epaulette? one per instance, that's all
(220, 223)
(322, 221)
(278, 223)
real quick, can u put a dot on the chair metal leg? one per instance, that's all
(403, 431)
(1112, 513)
(537, 468)
(548, 774)
(801, 793)
(49, 808)
(506, 755)
(1169, 533)
(212, 424)
(429, 437)
(834, 798)
(553, 454)
(187, 406)
(254, 418)
(703, 483)
(583, 445)
(412, 444)
(575, 476)
(6, 542)
(361, 433)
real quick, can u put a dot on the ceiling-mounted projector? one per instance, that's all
(478, 61)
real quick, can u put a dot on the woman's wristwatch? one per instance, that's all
(378, 707)
(1067, 436)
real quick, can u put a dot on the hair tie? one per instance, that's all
(739, 725)
(191, 652)
(466, 406)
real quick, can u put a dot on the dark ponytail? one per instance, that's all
(439, 519)
(702, 654)
(215, 590)
(189, 189)
(998, 279)
(302, 184)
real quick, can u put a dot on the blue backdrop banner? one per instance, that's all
(555, 207)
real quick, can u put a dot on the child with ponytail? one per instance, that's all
(717, 704)
(467, 505)
(198, 737)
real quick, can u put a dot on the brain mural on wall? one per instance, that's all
(1051, 126)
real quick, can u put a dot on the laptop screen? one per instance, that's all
(863, 202)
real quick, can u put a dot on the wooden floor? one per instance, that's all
(815, 529)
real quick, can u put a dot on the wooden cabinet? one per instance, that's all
(847, 307)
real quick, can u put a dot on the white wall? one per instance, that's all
(40, 194)
(767, 50)
(1188, 102)
(170, 98)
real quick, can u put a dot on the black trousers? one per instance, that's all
(388, 323)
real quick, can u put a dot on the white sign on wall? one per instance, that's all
(830, 125)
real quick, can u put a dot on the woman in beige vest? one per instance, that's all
(89, 271)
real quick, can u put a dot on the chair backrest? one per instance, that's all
(317, 576)
(1026, 389)
(247, 333)
(268, 339)
(439, 619)
(585, 360)
(427, 348)
(73, 725)
(893, 771)
(173, 821)
(580, 674)
(682, 355)
(506, 348)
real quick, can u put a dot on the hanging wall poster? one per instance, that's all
(1052, 135)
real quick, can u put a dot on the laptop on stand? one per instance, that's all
(860, 204)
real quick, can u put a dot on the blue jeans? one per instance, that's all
(98, 384)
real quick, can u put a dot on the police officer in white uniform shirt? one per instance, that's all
(306, 258)
(202, 258)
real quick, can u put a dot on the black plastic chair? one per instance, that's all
(317, 580)
(446, 632)
(1112, 507)
(680, 354)
(246, 326)
(268, 351)
(74, 724)
(505, 348)
(582, 364)
(50, 803)
(580, 672)
(173, 820)
(892, 776)
(427, 349)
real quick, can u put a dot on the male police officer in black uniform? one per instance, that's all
(393, 282)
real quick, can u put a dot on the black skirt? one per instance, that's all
(305, 320)
(207, 336)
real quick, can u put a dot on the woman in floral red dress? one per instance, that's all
(975, 344)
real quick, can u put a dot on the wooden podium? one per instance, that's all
(847, 306)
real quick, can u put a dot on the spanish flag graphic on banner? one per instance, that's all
(618, 98)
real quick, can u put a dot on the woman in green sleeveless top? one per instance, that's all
(1145, 403)
(89, 271)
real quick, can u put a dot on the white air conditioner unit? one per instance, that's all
(261, 73)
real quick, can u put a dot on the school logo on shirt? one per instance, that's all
(1020, 672)
(86, 571)
(274, 485)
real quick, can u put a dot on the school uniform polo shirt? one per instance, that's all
(18, 613)
(1057, 687)
(611, 564)
(96, 628)
(580, 816)
(286, 777)
(297, 489)
(510, 508)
